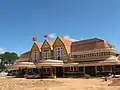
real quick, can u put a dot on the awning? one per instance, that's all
(24, 65)
(49, 63)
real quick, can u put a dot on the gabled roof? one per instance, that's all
(87, 41)
(50, 43)
(39, 45)
(67, 43)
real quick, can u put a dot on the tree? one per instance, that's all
(7, 58)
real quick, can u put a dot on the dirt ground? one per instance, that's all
(8, 83)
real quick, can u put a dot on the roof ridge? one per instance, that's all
(88, 40)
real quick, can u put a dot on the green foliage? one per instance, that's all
(7, 58)
(2, 67)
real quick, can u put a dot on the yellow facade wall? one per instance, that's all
(59, 43)
(46, 46)
(34, 48)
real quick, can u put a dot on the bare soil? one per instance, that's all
(58, 84)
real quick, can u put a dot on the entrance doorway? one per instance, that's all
(59, 71)
(90, 70)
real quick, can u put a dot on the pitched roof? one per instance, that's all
(24, 65)
(50, 43)
(39, 45)
(25, 55)
(67, 44)
(93, 40)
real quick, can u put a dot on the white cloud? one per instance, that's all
(69, 38)
(53, 36)
(2, 50)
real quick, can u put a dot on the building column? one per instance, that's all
(39, 71)
(63, 71)
(42, 71)
(55, 70)
(95, 70)
(51, 70)
(113, 69)
(84, 69)
(103, 68)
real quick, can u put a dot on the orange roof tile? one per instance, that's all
(66, 41)
(25, 55)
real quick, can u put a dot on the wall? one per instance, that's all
(58, 43)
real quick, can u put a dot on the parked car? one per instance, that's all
(32, 76)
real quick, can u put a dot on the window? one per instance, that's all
(92, 54)
(75, 56)
(35, 56)
(97, 54)
(84, 56)
(73, 68)
(108, 53)
(102, 53)
(67, 69)
(46, 70)
(99, 68)
(80, 69)
(88, 55)
(107, 68)
(46, 54)
(78, 56)
(58, 53)
(117, 66)
(81, 56)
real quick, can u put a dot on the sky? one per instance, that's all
(20, 20)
